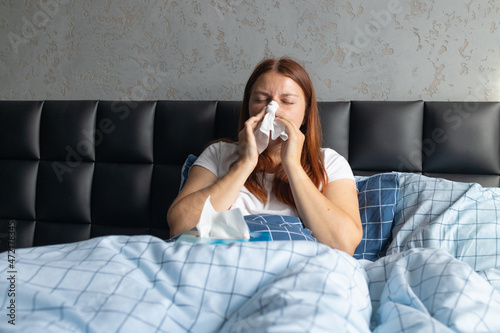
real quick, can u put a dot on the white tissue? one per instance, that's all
(229, 224)
(269, 128)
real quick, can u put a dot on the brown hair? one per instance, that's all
(311, 158)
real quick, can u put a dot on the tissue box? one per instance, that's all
(192, 236)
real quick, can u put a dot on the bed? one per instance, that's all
(85, 187)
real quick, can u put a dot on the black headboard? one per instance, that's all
(71, 170)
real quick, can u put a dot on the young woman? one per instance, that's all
(294, 177)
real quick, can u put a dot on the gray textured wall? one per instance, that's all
(196, 49)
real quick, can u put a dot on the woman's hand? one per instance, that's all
(247, 145)
(291, 149)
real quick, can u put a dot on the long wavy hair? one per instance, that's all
(311, 159)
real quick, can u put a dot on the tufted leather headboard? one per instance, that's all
(71, 170)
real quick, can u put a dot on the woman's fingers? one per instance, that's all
(255, 120)
(291, 127)
(251, 125)
(291, 149)
(247, 142)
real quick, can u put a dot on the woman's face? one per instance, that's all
(282, 89)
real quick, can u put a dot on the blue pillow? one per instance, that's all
(185, 169)
(377, 196)
(279, 227)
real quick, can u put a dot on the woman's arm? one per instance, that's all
(331, 215)
(185, 211)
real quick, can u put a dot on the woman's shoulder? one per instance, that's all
(223, 147)
(217, 157)
(336, 165)
(329, 153)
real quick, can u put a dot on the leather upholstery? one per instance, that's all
(71, 170)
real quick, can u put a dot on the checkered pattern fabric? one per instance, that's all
(441, 274)
(461, 218)
(377, 198)
(427, 290)
(279, 227)
(143, 284)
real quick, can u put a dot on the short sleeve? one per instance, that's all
(218, 157)
(336, 165)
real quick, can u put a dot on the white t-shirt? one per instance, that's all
(219, 156)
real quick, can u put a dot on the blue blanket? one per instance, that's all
(143, 284)
(440, 274)
(460, 218)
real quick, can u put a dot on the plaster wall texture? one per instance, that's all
(204, 50)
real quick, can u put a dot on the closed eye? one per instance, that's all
(261, 101)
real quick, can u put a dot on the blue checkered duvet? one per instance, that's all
(440, 275)
(461, 218)
(143, 284)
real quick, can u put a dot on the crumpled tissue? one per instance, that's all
(269, 128)
(229, 224)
